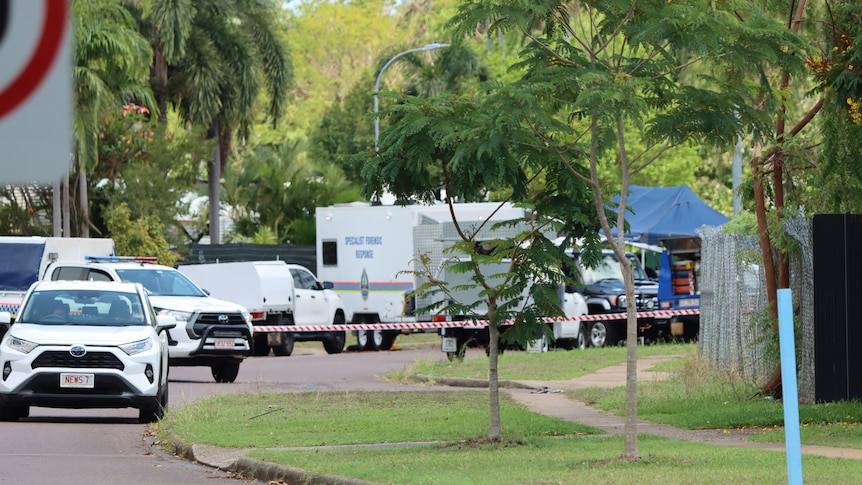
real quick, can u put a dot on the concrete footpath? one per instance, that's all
(544, 397)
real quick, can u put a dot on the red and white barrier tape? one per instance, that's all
(459, 324)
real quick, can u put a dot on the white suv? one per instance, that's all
(210, 332)
(77, 344)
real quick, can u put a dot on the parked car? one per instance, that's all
(85, 344)
(210, 332)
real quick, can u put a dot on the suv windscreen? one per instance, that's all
(161, 282)
(83, 307)
(609, 269)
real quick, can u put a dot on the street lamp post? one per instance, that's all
(426, 47)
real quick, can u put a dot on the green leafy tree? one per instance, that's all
(783, 163)
(110, 59)
(588, 72)
(335, 44)
(139, 237)
(210, 58)
(271, 187)
(474, 144)
(147, 166)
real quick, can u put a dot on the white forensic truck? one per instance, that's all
(369, 251)
(276, 294)
(23, 260)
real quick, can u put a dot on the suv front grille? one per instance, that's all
(92, 360)
(206, 320)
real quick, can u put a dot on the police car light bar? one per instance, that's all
(115, 259)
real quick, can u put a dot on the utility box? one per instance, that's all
(837, 314)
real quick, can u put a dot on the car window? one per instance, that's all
(608, 268)
(637, 270)
(161, 282)
(66, 273)
(304, 279)
(82, 307)
(96, 275)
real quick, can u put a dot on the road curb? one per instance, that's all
(233, 461)
(472, 382)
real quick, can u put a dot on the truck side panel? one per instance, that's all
(19, 266)
(74, 249)
(364, 253)
(264, 286)
(23, 261)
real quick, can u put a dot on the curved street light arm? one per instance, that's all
(427, 47)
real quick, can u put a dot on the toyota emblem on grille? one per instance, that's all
(222, 318)
(78, 351)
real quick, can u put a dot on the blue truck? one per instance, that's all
(678, 278)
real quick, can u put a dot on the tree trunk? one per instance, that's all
(160, 73)
(56, 219)
(495, 428)
(67, 212)
(213, 184)
(631, 420)
(85, 203)
(771, 387)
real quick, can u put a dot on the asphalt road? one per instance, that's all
(108, 446)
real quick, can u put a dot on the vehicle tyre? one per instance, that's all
(334, 342)
(13, 413)
(387, 339)
(598, 334)
(369, 339)
(583, 339)
(226, 371)
(286, 347)
(156, 409)
(261, 345)
(541, 344)
(151, 412)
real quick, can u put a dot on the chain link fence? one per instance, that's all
(736, 333)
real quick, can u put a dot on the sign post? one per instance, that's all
(35, 91)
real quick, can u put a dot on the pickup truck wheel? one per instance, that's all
(334, 342)
(598, 334)
(261, 346)
(226, 371)
(286, 347)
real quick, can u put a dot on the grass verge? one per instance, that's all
(699, 398)
(447, 429)
(553, 365)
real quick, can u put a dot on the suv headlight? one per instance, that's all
(246, 316)
(180, 317)
(621, 301)
(137, 347)
(21, 345)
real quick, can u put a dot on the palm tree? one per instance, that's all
(208, 58)
(110, 59)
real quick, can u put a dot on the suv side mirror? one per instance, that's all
(165, 322)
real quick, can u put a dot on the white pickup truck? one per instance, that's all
(276, 294)
(209, 332)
